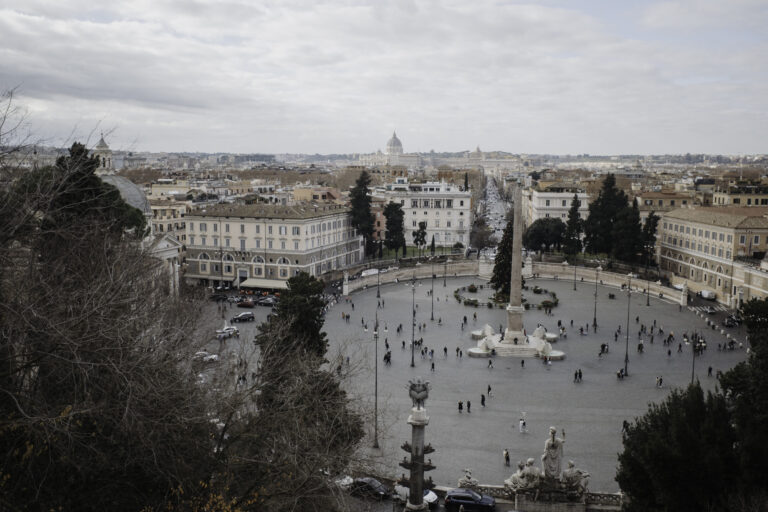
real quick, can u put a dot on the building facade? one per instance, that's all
(552, 202)
(168, 219)
(445, 208)
(716, 249)
(741, 194)
(263, 245)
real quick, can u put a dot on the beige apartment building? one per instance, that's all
(741, 194)
(719, 249)
(168, 219)
(662, 201)
(263, 245)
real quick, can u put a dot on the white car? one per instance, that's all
(205, 357)
(228, 332)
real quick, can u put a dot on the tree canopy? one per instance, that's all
(420, 235)
(574, 227)
(603, 213)
(395, 226)
(629, 232)
(502, 266)
(360, 200)
(547, 232)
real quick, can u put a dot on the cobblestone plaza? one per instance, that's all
(591, 412)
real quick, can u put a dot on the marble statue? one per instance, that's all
(532, 474)
(467, 482)
(517, 481)
(551, 461)
(575, 479)
(419, 391)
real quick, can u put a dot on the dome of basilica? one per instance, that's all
(394, 146)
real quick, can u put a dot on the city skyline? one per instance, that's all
(338, 77)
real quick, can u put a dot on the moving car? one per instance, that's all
(246, 316)
(228, 332)
(205, 357)
(470, 500)
(245, 304)
(709, 310)
(268, 301)
(370, 488)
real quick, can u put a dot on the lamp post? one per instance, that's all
(378, 282)
(376, 383)
(648, 286)
(445, 269)
(697, 345)
(626, 352)
(432, 293)
(574, 276)
(594, 317)
(413, 319)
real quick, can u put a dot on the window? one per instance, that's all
(546, 203)
(414, 203)
(215, 227)
(564, 202)
(202, 240)
(282, 230)
(449, 203)
(242, 245)
(226, 242)
(688, 230)
(257, 271)
(461, 203)
(269, 244)
(736, 200)
(730, 238)
(448, 224)
(706, 234)
(191, 239)
(203, 226)
(295, 245)
(743, 239)
(215, 241)
(228, 268)
(296, 230)
(191, 226)
(437, 223)
(282, 244)
(757, 239)
(203, 267)
(226, 228)
(242, 228)
(283, 272)
(269, 229)
(438, 203)
(721, 237)
(258, 244)
(258, 229)
(414, 223)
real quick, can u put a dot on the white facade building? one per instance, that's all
(553, 202)
(445, 208)
(262, 245)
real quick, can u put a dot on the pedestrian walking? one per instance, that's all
(579, 374)
(709, 371)
(461, 406)
(433, 366)
(461, 354)
(482, 400)
(457, 351)
(522, 363)
(469, 407)
(445, 351)
(506, 457)
(490, 364)
(489, 391)
(576, 376)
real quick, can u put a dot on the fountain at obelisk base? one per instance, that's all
(514, 342)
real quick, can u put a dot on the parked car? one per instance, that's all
(729, 322)
(709, 295)
(368, 487)
(205, 357)
(245, 304)
(470, 500)
(402, 492)
(228, 332)
(709, 310)
(268, 301)
(246, 316)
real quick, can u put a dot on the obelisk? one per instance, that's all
(514, 333)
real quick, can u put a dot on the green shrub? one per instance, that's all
(547, 304)
(470, 302)
(537, 290)
(490, 305)
(472, 288)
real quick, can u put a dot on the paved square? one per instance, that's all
(591, 412)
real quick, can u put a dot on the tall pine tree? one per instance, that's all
(362, 218)
(573, 229)
(628, 234)
(502, 267)
(395, 227)
(603, 212)
(649, 235)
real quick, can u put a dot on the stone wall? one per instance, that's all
(458, 268)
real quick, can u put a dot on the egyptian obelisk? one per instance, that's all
(514, 332)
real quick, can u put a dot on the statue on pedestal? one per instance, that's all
(575, 479)
(551, 461)
(419, 391)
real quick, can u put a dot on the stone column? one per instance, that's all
(418, 420)
(515, 308)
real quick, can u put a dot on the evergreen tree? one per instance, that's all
(573, 229)
(432, 246)
(300, 312)
(603, 211)
(466, 181)
(649, 235)
(420, 236)
(362, 218)
(395, 227)
(547, 232)
(502, 267)
(628, 234)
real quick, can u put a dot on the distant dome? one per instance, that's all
(130, 192)
(102, 144)
(394, 146)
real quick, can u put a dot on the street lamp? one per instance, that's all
(432, 293)
(445, 269)
(574, 276)
(648, 286)
(697, 345)
(413, 319)
(378, 282)
(376, 383)
(594, 317)
(626, 353)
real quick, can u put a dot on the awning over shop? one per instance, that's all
(265, 283)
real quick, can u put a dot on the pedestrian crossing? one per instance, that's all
(704, 309)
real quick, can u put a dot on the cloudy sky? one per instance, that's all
(338, 76)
